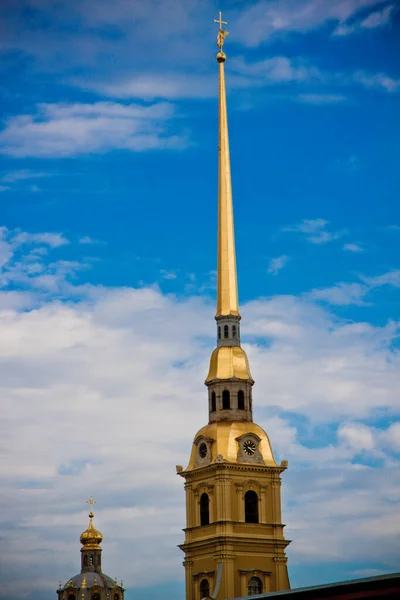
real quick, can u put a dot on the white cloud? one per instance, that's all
(265, 19)
(315, 231)
(354, 293)
(277, 69)
(86, 239)
(154, 85)
(389, 278)
(171, 275)
(23, 174)
(341, 294)
(54, 240)
(378, 81)
(353, 247)
(96, 391)
(322, 99)
(68, 129)
(276, 264)
(357, 435)
(375, 19)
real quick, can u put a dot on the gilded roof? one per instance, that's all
(228, 362)
(91, 537)
(224, 436)
(90, 579)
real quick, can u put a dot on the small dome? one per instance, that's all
(229, 362)
(91, 538)
(224, 436)
(88, 580)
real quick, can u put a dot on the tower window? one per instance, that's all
(254, 586)
(213, 402)
(251, 508)
(240, 400)
(116, 597)
(71, 597)
(91, 561)
(96, 596)
(204, 589)
(204, 509)
(226, 331)
(226, 399)
(233, 330)
(98, 559)
(219, 332)
(85, 561)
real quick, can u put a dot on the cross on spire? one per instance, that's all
(91, 502)
(220, 21)
(222, 33)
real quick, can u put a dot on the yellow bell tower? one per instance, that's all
(234, 543)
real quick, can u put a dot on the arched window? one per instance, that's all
(204, 509)
(204, 589)
(96, 596)
(233, 330)
(241, 400)
(251, 507)
(213, 402)
(85, 561)
(71, 597)
(226, 399)
(250, 398)
(219, 333)
(91, 561)
(116, 597)
(226, 331)
(254, 586)
(98, 559)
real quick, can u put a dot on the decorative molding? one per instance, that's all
(255, 571)
(203, 574)
(224, 556)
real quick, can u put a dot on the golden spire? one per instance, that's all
(227, 292)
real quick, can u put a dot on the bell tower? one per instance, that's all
(234, 543)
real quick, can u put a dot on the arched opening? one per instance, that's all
(226, 331)
(96, 596)
(226, 399)
(254, 586)
(219, 332)
(116, 597)
(213, 402)
(91, 561)
(98, 559)
(233, 330)
(204, 589)
(251, 507)
(241, 400)
(71, 597)
(85, 561)
(204, 509)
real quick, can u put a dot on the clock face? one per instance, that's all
(203, 450)
(249, 447)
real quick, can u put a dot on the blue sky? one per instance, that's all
(108, 190)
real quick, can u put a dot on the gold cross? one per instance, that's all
(220, 21)
(90, 502)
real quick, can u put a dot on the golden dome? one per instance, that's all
(224, 444)
(91, 538)
(229, 362)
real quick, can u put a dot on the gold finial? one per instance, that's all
(91, 502)
(222, 33)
